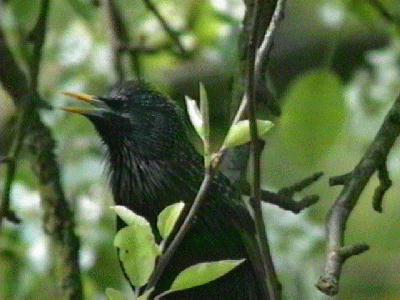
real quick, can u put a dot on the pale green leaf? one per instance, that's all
(145, 295)
(168, 217)
(195, 116)
(202, 273)
(113, 294)
(239, 133)
(204, 112)
(206, 124)
(128, 216)
(138, 249)
(314, 115)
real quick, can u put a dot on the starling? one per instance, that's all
(152, 165)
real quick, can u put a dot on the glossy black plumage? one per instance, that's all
(152, 165)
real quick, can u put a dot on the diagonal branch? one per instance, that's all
(373, 160)
(385, 13)
(167, 28)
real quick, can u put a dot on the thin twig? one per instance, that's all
(274, 287)
(385, 13)
(183, 229)
(167, 28)
(284, 197)
(262, 58)
(374, 158)
(143, 49)
(200, 197)
(301, 185)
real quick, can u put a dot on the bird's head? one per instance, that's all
(134, 115)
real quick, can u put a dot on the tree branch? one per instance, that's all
(373, 160)
(384, 184)
(262, 60)
(274, 287)
(284, 197)
(167, 28)
(11, 162)
(386, 14)
(199, 199)
(119, 40)
(58, 218)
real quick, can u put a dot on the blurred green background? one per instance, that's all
(335, 69)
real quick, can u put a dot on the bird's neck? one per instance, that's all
(147, 184)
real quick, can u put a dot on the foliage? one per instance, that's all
(138, 251)
(332, 106)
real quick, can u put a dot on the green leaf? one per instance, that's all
(138, 249)
(168, 217)
(128, 216)
(113, 294)
(203, 273)
(195, 116)
(313, 116)
(239, 133)
(145, 295)
(206, 124)
(204, 111)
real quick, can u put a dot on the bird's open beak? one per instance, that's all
(93, 100)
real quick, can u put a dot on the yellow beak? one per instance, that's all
(84, 98)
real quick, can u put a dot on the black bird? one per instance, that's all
(153, 164)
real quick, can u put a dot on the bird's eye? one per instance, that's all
(116, 104)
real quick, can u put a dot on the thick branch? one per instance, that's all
(58, 218)
(12, 158)
(374, 158)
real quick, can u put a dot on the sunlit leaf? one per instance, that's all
(203, 273)
(168, 217)
(128, 216)
(138, 249)
(113, 294)
(313, 116)
(239, 134)
(195, 116)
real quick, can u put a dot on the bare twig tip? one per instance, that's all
(328, 285)
(348, 251)
(301, 185)
(384, 184)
